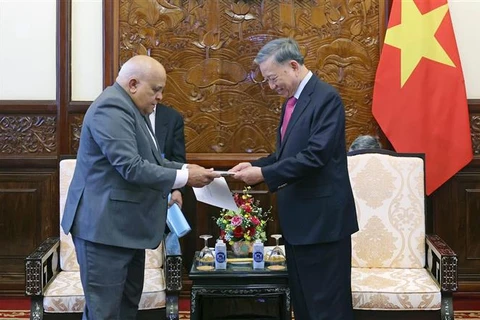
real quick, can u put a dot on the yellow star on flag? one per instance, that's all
(415, 37)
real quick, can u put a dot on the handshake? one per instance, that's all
(198, 176)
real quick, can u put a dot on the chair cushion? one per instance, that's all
(394, 289)
(68, 258)
(65, 293)
(390, 202)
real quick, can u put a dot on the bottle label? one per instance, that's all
(258, 256)
(221, 257)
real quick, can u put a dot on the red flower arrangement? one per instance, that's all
(247, 223)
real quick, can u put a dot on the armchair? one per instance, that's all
(398, 271)
(52, 277)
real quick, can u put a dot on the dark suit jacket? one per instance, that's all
(309, 170)
(170, 134)
(118, 194)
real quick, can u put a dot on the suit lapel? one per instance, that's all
(300, 107)
(146, 127)
(143, 121)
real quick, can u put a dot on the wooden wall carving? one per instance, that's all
(28, 134)
(208, 48)
(475, 126)
(75, 123)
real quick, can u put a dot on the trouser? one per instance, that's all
(320, 280)
(112, 280)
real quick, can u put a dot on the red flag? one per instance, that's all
(419, 97)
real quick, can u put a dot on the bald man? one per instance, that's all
(117, 201)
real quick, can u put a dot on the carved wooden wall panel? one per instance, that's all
(475, 126)
(27, 134)
(208, 49)
(75, 124)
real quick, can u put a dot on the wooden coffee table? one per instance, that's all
(239, 293)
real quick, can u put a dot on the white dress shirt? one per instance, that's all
(182, 175)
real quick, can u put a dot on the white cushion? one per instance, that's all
(394, 289)
(65, 293)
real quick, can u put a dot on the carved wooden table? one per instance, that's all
(239, 293)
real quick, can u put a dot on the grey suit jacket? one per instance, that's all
(118, 194)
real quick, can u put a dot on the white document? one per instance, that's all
(217, 194)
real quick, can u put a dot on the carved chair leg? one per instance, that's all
(172, 307)
(36, 308)
(447, 306)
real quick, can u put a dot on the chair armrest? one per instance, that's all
(442, 262)
(173, 263)
(42, 266)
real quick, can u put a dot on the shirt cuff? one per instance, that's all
(181, 178)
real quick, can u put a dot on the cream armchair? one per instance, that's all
(53, 278)
(398, 271)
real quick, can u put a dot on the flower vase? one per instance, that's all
(242, 248)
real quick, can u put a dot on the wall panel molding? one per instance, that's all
(27, 219)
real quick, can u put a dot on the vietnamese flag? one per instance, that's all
(419, 97)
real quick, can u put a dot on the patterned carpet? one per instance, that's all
(185, 315)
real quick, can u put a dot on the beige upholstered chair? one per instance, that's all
(398, 271)
(53, 277)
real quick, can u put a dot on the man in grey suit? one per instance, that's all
(117, 201)
(309, 172)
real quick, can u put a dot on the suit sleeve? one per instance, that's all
(265, 161)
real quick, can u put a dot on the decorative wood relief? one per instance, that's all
(475, 132)
(208, 48)
(28, 134)
(75, 124)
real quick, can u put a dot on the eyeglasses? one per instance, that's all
(272, 79)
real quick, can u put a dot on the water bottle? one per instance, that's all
(257, 252)
(220, 255)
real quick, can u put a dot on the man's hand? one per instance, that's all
(199, 176)
(250, 175)
(176, 198)
(192, 166)
(240, 166)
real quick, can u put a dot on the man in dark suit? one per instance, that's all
(168, 126)
(309, 172)
(117, 201)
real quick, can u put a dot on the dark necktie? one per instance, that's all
(288, 114)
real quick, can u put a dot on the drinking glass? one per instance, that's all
(206, 258)
(275, 259)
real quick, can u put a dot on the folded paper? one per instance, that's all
(176, 221)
